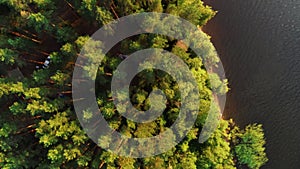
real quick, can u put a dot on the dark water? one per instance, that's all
(259, 44)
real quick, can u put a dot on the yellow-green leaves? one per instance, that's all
(39, 21)
(249, 148)
(8, 56)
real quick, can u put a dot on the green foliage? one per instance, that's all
(218, 85)
(66, 34)
(41, 76)
(8, 56)
(195, 11)
(7, 88)
(92, 10)
(191, 10)
(15, 4)
(18, 43)
(44, 3)
(126, 163)
(249, 146)
(61, 129)
(39, 22)
(17, 108)
(38, 125)
(217, 153)
(7, 129)
(60, 78)
(188, 160)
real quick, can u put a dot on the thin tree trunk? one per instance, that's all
(24, 36)
(44, 53)
(66, 92)
(116, 15)
(72, 9)
(69, 4)
(101, 165)
(33, 61)
(30, 33)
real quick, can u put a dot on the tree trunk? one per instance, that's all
(24, 36)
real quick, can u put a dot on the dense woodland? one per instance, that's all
(38, 125)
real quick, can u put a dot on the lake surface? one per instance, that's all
(259, 44)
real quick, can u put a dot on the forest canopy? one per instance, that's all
(40, 41)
